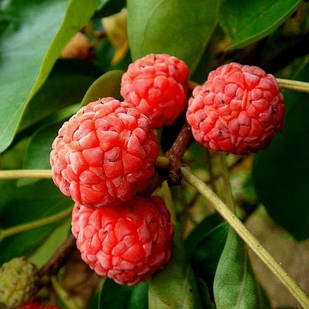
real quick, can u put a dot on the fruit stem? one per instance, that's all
(13, 174)
(162, 163)
(227, 184)
(293, 85)
(249, 239)
(63, 295)
(34, 224)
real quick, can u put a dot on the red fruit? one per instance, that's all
(38, 306)
(157, 86)
(104, 154)
(127, 243)
(238, 109)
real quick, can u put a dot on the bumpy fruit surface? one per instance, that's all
(38, 306)
(238, 109)
(17, 282)
(127, 243)
(104, 154)
(157, 86)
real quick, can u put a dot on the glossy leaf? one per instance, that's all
(139, 297)
(52, 243)
(234, 284)
(280, 172)
(26, 204)
(115, 296)
(108, 85)
(200, 232)
(39, 146)
(205, 245)
(205, 296)
(37, 156)
(66, 85)
(175, 286)
(178, 27)
(248, 21)
(30, 44)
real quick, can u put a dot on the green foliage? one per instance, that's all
(30, 44)
(66, 85)
(43, 253)
(114, 296)
(175, 286)
(108, 85)
(234, 283)
(25, 204)
(280, 171)
(248, 21)
(178, 27)
(37, 155)
(204, 246)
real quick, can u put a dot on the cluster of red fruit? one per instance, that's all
(105, 155)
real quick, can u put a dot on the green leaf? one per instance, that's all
(30, 44)
(66, 85)
(249, 21)
(201, 231)
(139, 297)
(234, 284)
(180, 28)
(205, 245)
(175, 286)
(26, 204)
(115, 296)
(108, 85)
(37, 155)
(280, 172)
(39, 146)
(52, 243)
(12, 158)
(205, 296)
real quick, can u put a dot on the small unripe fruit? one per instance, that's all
(17, 282)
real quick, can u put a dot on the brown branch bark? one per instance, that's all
(176, 153)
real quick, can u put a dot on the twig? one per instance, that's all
(31, 225)
(52, 266)
(14, 174)
(176, 153)
(227, 183)
(249, 239)
(293, 85)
